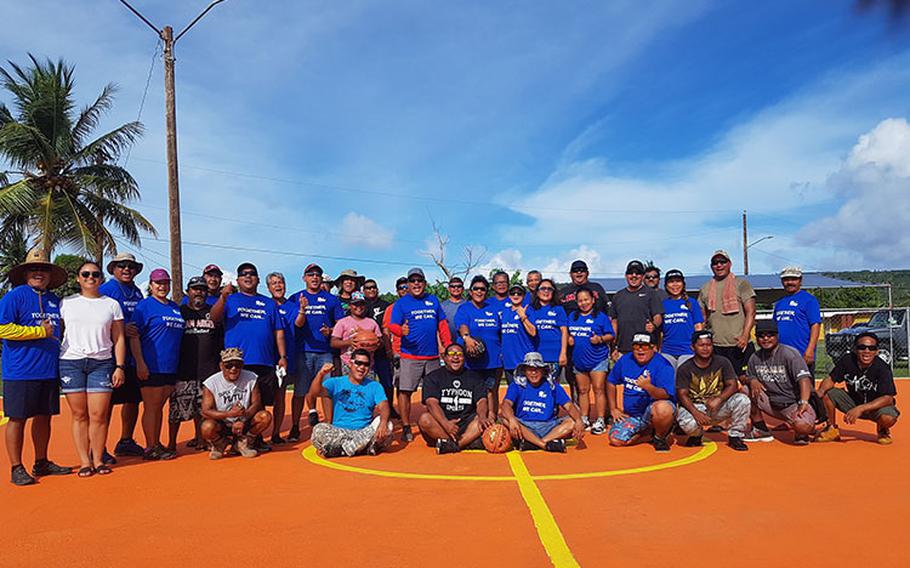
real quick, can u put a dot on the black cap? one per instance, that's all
(400, 281)
(703, 334)
(641, 337)
(455, 280)
(197, 282)
(579, 266)
(313, 267)
(766, 326)
(674, 273)
(518, 287)
(635, 267)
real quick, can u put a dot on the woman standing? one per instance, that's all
(549, 318)
(682, 317)
(157, 353)
(590, 334)
(478, 324)
(92, 364)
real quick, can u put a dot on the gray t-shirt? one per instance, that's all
(630, 311)
(726, 327)
(779, 371)
(450, 308)
(228, 393)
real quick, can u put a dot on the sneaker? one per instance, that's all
(19, 476)
(736, 443)
(243, 446)
(693, 442)
(716, 429)
(128, 447)
(556, 446)
(758, 435)
(660, 444)
(260, 446)
(677, 430)
(801, 440)
(151, 454)
(217, 451)
(107, 459)
(446, 446)
(166, 454)
(884, 436)
(277, 440)
(406, 434)
(333, 452)
(478, 445)
(373, 449)
(587, 422)
(599, 427)
(829, 434)
(294, 435)
(47, 467)
(526, 446)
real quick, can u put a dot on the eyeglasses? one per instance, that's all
(652, 277)
(546, 289)
(90, 274)
(478, 289)
(370, 287)
(863, 347)
(416, 280)
(248, 273)
(719, 262)
(402, 286)
(360, 363)
(125, 265)
(454, 353)
(232, 365)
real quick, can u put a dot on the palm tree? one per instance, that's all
(63, 189)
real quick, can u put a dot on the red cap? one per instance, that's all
(212, 268)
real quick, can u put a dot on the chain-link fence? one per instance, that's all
(841, 326)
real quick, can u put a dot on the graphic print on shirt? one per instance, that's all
(456, 399)
(351, 401)
(703, 387)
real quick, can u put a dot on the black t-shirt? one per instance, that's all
(458, 394)
(201, 343)
(864, 385)
(630, 311)
(601, 301)
(376, 310)
(705, 383)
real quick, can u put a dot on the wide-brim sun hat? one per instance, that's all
(37, 259)
(352, 274)
(121, 257)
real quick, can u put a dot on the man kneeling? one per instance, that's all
(457, 410)
(531, 406)
(356, 411)
(232, 408)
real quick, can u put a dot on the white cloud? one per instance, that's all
(359, 230)
(872, 225)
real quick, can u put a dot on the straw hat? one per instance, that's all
(121, 257)
(37, 259)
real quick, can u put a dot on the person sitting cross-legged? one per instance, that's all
(456, 400)
(355, 408)
(708, 394)
(531, 405)
(232, 408)
(649, 389)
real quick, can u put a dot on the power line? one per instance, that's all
(148, 81)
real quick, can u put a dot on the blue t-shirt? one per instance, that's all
(250, 323)
(538, 403)
(451, 308)
(34, 359)
(287, 312)
(322, 309)
(483, 324)
(548, 320)
(353, 404)
(127, 295)
(423, 316)
(516, 342)
(584, 355)
(634, 398)
(795, 315)
(678, 326)
(497, 304)
(160, 332)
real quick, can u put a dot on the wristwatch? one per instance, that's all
(802, 402)
(122, 367)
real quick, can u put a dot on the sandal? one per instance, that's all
(87, 471)
(103, 469)
(192, 443)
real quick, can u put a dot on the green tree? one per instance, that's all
(71, 263)
(13, 249)
(64, 188)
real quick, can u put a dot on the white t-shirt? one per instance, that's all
(228, 393)
(87, 327)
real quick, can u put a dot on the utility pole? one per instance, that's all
(745, 247)
(170, 114)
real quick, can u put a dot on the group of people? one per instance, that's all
(642, 364)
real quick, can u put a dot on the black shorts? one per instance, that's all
(25, 399)
(737, 357)
(266, 381)
(128, 392)
(159, 380)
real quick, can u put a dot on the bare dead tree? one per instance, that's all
(472, 256)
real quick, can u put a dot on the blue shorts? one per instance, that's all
(631, 426)
(25, 399)
(542, 427)
(86, 375)
(308, 364)
(490, 377)
(601, 367)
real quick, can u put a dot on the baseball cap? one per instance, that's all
(455, 280)
(579, 266)
(643, 338)
(311, 267)
(400, 281)
(159, 275)
(231, 354)
(416, 272)
(518, 287)
(635, 267)
(766, 326)
(703, 334)
(211, 268)
(720, 252)
(674, 273)
(197, 282)
(244, 265)
(791, 272)
(357, 297)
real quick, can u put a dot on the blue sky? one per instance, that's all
(537, 132)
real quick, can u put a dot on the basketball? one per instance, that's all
(479, 349)
(366, 340)
(496, 439)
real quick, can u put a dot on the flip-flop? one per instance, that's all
(103, 469)
(87, 472)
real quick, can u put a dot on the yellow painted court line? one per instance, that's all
(3, 419)
(706, 450)
(547, 529)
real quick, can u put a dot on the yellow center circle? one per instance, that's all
(309, 453)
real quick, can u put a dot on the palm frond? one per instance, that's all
(108, 147)
(90, 115)
(107, 180)
(18, 198)
(26, 147)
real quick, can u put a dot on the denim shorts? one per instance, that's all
(601, 367)
(308, 364)
(629, 427)
(86, 375)
(542, 427)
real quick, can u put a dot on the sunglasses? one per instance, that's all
(516, 293)
(719, 262)
(313, 273)
(125, 265)
(652, 277)
(248, 273)
(90, 274)
(416, 280)
(454, 353)
(233, 365)
(360, 363)
(370, 287)
(546, 289)
(478, 289)
(862, 347)
(765, 334)
(402, 286)
(456, 285)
